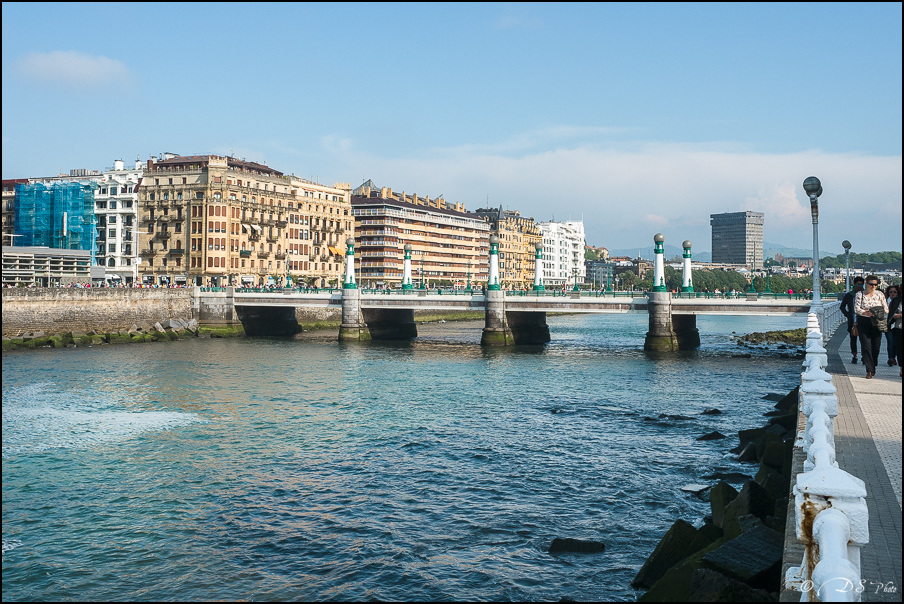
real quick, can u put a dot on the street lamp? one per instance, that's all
(847, 264)
(814, 189)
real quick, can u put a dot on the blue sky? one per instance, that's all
(640, 118)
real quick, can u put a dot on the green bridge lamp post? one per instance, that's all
(423, 282)
(658, 266)
(847, 264)
(406, 274)
(494, 264)
(688, 279)
(350, 265)
(538, 268)
(813, 188)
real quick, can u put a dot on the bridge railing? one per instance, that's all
(831, 516)
(740, 295)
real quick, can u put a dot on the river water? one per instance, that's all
(270, 469)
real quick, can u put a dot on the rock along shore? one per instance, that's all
(736, 556)
(171, 329)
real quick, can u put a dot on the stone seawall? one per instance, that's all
(56, 310)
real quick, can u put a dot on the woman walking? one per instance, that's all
(870, 335)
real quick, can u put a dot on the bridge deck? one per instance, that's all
(567, 304)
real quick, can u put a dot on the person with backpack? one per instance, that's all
(847, 309)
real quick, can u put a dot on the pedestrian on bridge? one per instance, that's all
(870, 335)
(847, 309)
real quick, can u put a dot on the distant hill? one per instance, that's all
(771, 249)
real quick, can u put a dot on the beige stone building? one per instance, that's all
(449, 246)
(215, 220)
(517, 252)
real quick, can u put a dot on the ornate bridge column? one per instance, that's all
(687, 282)
(496, 331)
(406, 275)
(353, 326)
(538, 268)
(661, 336)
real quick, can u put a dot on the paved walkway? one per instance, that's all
(868, 445)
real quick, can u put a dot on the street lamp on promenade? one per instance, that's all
(847, 264)
(814, 189)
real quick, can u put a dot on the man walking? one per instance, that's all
(847, 309)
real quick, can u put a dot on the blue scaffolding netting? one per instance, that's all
(42, 210)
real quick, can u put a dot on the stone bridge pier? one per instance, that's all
(507, 328)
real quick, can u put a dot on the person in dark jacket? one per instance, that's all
(894, 325)
(847, 309)
(891, 293)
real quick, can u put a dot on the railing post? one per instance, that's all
(831, 516)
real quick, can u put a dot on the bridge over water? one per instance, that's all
(510, 317)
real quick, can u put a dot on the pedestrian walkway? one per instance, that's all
(868, 445)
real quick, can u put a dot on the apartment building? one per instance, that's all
(9, 209)
(563, 253)
(218, 220)
(517, 252)
(450, 247)
(116, 209)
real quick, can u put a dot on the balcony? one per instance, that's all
(254, 220)
(176, 251)
(263, 254)
(165, 218)
(282, 223)
(146, 253)
(272, 238)
(162, 235)
(279, 256)
(254, 236)
(245, 253)
(268, 222)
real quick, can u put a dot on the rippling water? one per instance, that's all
(310, 470)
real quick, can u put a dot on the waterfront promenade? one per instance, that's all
(868, 445)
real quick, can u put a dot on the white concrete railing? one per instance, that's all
(829, 317)
(831, 513)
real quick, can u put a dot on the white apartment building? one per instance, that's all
(116, 208)
(563, 253)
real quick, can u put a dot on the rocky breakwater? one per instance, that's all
(171, 329)
(736, 555)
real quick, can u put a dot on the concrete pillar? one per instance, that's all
(350, 265)
(685, 328)
(661, 337)
(352, 326)
(687, 281)
(658, 266)
(493, 284)
(496, 331)
(406, 275)
(538, 268)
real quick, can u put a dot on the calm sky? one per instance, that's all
(642, 118)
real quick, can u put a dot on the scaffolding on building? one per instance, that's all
(59, 216)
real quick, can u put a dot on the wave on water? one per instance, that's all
(37, 418)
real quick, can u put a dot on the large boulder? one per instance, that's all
(715, 435)
(710, 586)
(679, 542)
(754, 558)
(753, 499)
(719, 497)
(789, 401)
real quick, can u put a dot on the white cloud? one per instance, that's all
(626, 195)
(72, 68)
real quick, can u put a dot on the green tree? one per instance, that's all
(629, 279)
